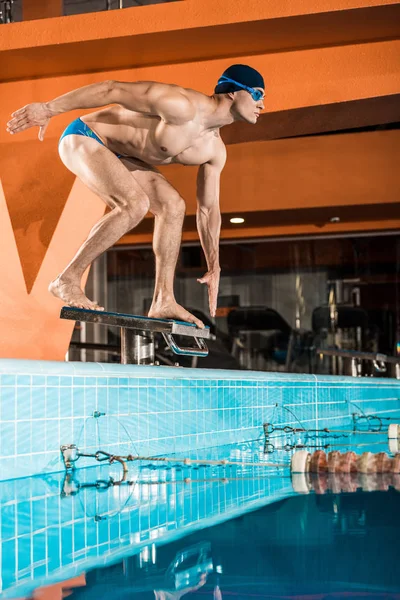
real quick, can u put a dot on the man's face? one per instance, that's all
(245, 108)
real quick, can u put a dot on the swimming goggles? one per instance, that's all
(255, 94)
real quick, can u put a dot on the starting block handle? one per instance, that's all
(202, 351)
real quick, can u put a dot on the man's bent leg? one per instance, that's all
(106, 176)
(169, 212)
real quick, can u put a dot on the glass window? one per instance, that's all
(279, 301)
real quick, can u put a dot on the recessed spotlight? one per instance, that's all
(237, 220)
(335, 219)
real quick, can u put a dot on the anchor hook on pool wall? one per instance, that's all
(70, 455)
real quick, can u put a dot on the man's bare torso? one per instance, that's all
(153, 140)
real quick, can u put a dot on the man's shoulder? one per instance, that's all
(173, 102)
(197, 100)
(173, 88)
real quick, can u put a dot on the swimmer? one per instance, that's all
(115, 152)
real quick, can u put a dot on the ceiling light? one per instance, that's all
(237, 220)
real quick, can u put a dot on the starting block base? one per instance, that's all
(137, 333)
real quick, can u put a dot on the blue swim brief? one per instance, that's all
(78, 127)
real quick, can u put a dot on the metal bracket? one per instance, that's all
(202, 351)
(70, 455)
(137, 333)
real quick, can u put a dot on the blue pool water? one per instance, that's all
(311, 547)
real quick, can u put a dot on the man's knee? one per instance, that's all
(134, 207)
(171, 205)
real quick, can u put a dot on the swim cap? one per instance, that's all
(242, 74)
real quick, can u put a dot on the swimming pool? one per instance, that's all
(58, 523)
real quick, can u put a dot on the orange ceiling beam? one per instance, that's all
(243, 232)
(188, 31)
(173, 16)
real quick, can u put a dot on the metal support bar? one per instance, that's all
(383, 358)
(379, 361)
(137, 348)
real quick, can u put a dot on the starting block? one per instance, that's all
(137, 333)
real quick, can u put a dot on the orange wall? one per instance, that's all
(338, 171)
(335, 170)
(29, 317)
(36, 184)
(293, 79)
(39, 198)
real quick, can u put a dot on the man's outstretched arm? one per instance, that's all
(209, 221)
(168, 102)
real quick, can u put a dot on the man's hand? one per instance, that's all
(35, 114)
(211, 278)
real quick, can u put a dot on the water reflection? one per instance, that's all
(309, 546)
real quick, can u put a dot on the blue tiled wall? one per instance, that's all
(162, 410)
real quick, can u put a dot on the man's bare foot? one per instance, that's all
(70, 293)
(173, 310)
